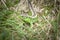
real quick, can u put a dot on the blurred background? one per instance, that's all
(29, 19)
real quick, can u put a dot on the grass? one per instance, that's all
(15, 27)
(24, 27)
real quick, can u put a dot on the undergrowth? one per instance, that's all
(16, 27)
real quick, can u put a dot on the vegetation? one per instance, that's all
(15, 24)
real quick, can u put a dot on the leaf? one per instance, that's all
(27, 20)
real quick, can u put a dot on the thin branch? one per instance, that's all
(32, 10)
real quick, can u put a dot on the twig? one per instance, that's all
(32, 10)
(34, 15)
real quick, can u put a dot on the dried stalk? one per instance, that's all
(34, 15)
(4, 3)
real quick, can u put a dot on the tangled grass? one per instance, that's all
(16, 27)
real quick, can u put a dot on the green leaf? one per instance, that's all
(27, 20)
